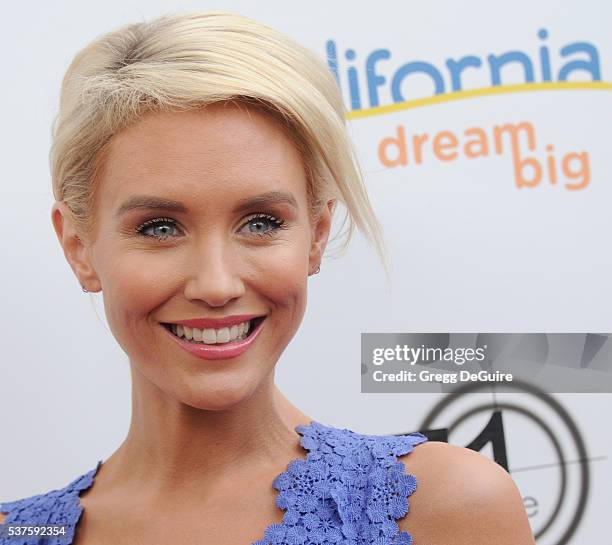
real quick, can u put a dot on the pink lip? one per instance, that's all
(216, 323)
(216, 351)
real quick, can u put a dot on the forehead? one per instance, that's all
(223, 150)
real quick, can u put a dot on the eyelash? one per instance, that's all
(277, 223)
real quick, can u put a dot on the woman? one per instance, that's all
(197, 160)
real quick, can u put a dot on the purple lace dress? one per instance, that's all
(351, 489)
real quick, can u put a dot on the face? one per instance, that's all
(236, 240)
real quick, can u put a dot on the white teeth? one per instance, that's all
(212, 336)
(223, 335)
(209, 336)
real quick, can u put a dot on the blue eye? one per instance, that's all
(153, 223)
(260, 220)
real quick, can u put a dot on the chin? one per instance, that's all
(215, 397)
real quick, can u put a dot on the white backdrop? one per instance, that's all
(470, 251)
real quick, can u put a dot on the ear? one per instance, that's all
(320, 236)
(75, 250)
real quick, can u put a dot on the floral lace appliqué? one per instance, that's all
(60, 506)
(350, 490)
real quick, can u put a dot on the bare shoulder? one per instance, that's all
(474, 496)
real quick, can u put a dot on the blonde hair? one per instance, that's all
(185, 61)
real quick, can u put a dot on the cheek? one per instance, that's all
(283, 286)
(134, 285)
(279, 272)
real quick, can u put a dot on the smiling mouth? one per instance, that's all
(226, 335)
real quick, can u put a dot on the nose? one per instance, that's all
(216, 278)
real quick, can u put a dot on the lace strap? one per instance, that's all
(389, 487)
(60, 506)
(375, 488)
(351, 489)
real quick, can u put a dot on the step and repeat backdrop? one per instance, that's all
(484, 133)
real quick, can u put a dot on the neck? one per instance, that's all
(173, 448)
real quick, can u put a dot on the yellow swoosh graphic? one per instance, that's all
(484, 91)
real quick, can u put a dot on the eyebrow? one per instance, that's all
(150, 202)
